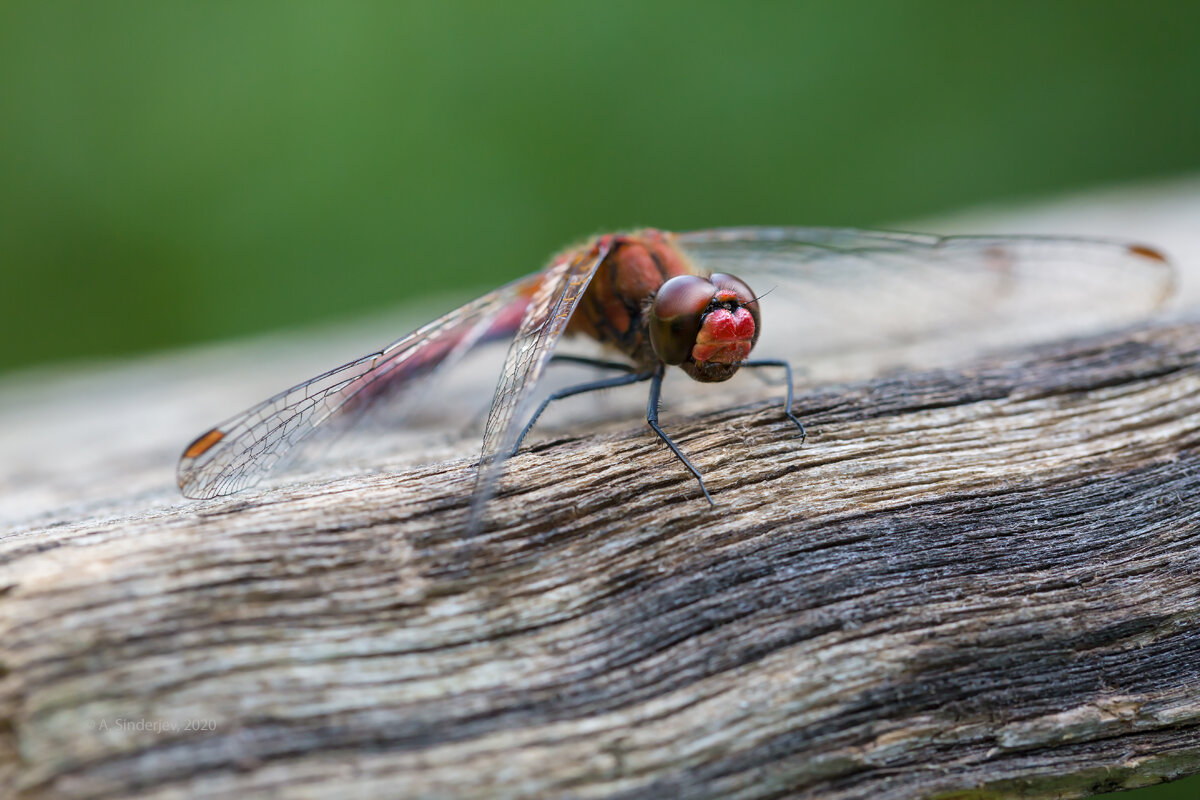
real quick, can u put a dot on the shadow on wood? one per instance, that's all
(974, 579)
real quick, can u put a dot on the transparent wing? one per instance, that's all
(242, 450)
(835, 291)
(546, 316)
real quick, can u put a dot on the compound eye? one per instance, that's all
(676, 315)
(723, 281)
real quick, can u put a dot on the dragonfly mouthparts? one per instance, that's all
(725, 336)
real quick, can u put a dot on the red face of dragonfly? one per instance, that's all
(706, 326)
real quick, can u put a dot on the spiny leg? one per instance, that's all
(652, 417)
(592, 362)
(599, 363)
(787, 409)
(591, 386)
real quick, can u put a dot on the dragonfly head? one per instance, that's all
(705, 326)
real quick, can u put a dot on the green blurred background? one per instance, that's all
(181, 172)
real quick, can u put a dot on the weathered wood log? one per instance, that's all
(972, 582)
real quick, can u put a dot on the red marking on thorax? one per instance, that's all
(637, 266)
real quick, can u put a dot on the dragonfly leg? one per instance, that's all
(652, 417)
(787, 409)
(591, 386)
(592, 362)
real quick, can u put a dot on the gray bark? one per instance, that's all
(967, 582)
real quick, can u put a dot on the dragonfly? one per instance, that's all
(656, 299)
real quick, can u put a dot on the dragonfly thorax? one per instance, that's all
(649, 301)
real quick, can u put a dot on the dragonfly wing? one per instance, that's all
(830, 290)
(242, 450)
(549, 310)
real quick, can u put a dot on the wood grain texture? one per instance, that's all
(974, 582)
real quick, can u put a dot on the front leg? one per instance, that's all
(652, 418)
(787, 409)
